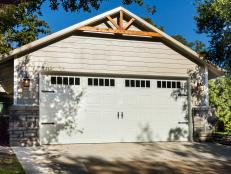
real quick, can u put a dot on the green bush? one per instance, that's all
(220, 99)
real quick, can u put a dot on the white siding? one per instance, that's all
(104, 55)
(112, 56)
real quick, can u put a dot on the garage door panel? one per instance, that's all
(48, 134)
(117, 113)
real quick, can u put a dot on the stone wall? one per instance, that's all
(204, 121)
(24, 125)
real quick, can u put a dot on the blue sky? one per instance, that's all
(177, 16)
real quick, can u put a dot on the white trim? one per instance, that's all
(206, 81)
(15, 82)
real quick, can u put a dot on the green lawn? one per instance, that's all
(9, 164)
(223, 133)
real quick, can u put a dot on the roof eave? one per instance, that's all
(56, 35)
(186, 50)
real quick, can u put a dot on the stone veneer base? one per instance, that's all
(24, 125)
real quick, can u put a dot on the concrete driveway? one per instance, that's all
(126, 158)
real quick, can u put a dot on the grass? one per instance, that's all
(9, 164)
(223, 133)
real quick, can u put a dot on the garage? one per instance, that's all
(95, 109)
(111, 78)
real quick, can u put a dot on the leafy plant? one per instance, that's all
(220, 99)
(19, 25)
(214, 19)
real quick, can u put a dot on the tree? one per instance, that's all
(181, 39)
(220, 99)
(197, 45)
(150, 21)
(19, 25)
(85, 5)
(214, 19)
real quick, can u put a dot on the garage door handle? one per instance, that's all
(46, 91)
(52, 123)
(118, 115)
(183, 122)
(122, 115)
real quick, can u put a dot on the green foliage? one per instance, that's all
(220, 99)
(197, 46)
(214, 19)
(223, 133)
(85, 5)
(181, 39)
(150, 21)
(19, 25)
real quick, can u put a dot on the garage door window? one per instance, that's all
(65, 80)
(137, 83)
(53, 80)
(168, 84)
(112, 82)
(95, 82)
(158, 84)
(173, 84)
(106, 82)
(77, 81)
(163, 84)
(59, 80)
(71, 81)
(101, 82)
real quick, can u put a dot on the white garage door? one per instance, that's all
(75, 109)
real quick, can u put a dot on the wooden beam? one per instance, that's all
(121, 19)
(129, 23)
(126, 32)
(113, 22)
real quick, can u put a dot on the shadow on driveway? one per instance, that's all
(100, 166)
(136, 158)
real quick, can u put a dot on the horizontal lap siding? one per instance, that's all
(87, 54)
(99, 55)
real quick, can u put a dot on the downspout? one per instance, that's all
(190, 119)
(15, 83)
(206, 83)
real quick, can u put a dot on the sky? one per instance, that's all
(176, 16)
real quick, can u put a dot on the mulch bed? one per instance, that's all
(222, 139)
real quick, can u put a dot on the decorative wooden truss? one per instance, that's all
(120, 28)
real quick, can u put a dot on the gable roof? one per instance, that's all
(18, 52)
